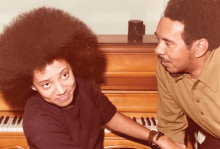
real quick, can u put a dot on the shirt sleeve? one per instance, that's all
(171, 119)
(40, 134)
(106, 109)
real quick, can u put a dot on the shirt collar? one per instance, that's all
(209, 73)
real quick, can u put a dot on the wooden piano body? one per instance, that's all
(130, 83)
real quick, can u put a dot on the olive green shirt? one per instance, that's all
(180, 97)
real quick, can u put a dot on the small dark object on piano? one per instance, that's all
(6, 120)
(1, 119)
(14, 120)
(19, 120)
(153, 120)
(148, 121)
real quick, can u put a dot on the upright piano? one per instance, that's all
(129, 83)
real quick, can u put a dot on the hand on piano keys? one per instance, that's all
(8, 124)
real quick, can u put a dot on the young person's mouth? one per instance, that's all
(64, 97)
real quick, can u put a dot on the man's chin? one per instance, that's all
(171, 71)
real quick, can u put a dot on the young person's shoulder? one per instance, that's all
(33, 103)
(37, 106)
(86, 84)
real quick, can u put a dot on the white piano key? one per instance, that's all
(1, 125)
(153, 127)
(5, 126)
(138, 120)
(12, 127)
(106, 130)
(9, 129)
(20, 127)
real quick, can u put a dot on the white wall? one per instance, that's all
(102, 16)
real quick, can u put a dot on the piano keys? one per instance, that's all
(8, 124)
(14, 124)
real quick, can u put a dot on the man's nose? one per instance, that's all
(160, 49)
(60, 89)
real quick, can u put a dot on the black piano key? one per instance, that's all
(134, 119)
(148, 121)
(6, 120)
(153, 120)
(19, 120)
(1, 119)
(142, 121)
(14, 120)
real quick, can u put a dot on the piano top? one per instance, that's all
(123, 39)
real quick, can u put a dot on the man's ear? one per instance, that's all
(33, 88)
(201, 47)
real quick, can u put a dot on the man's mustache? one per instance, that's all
(162, 59)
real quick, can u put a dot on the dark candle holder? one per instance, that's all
(135, 30)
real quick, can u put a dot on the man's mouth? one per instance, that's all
(163, 60)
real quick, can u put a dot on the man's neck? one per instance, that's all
(198, 65)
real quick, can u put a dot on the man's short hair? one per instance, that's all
(201, 19)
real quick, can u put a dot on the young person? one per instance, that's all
(51, 58)
(188, 71)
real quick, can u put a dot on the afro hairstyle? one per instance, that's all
(201, 19)
(35, 39)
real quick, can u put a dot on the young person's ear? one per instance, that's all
(33, 88)
(201, 47)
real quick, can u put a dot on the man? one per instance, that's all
(188, 73)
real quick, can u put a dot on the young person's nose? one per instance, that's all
(60, 89)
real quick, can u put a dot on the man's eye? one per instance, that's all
(167, 43)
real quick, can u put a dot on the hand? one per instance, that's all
(165, 143)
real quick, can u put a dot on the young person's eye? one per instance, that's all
(167, 43)
(65, 75)
(46, 85)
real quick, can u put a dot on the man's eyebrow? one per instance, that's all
(165, 39)
(168, 40)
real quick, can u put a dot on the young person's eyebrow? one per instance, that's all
(42, 81)
(46, 80)
(64, 69)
